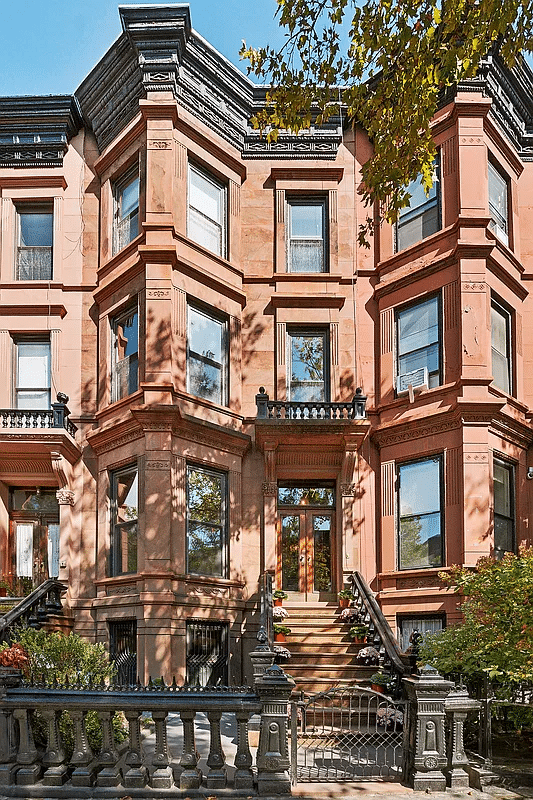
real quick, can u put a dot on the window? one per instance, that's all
(207, 653)
(308, 366)
(206, 219)
(498, 204)
(420, 523)
(408, 625)
(206, 522)
(34, 518)
(504, 523)
(124, 513)
(421, 217)
(306, 250)
(32, 380)
(207, 356)
(125, 355)
(126, 221)
(123, 650)
(418, 345)
(500, 321)
(35, 239)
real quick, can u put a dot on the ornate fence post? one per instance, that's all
(261, 402)
(425, 743)
(457, 705)
(8, 743)
(274, 689)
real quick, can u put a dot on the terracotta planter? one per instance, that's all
(279, 637)
(3, 591)
(344, 602)
(278, 601)
(359, 639)
(376, 687)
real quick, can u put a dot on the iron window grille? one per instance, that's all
(207, 653)
(123, 650)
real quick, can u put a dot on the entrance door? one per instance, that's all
(35, 535)
(305, 541)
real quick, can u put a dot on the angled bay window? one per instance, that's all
(501, 347)
(421, 218)
(498, 204)
(418, 345)
(206, 213)
(504, 514)
(32, 374)
(126, 215)
(125, 354)
(207, 356)
(307, 237)
(207, 527)
(307, 366)
(35, 239)
(124, 516)
(420, 517)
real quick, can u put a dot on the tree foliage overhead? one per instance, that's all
(392, 59)
(496, 637)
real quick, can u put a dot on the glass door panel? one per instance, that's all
(321, 561)
(290, 553)
(305, 553)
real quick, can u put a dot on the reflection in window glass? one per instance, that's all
(206, 522)
(125, 356)
(306, 251)
(125, 507)
(33, 375)
(503, 508)
(206, 361)
(420, 518)
(290, 553)
(306, 496)
(498, 193)
(321, 553)
(34, 252)
(307, 367)
(421, 218)
(126, 223)
(501, 349)
(206, 211)
(418, 339)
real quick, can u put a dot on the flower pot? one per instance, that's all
(278, 601)
(359, 639)
(376, 687)
(344, 602)
(3, 591)
(279, 637)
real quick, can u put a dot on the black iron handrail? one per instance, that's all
(34, 609)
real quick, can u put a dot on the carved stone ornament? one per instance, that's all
(348, 489)
(270, 489)
(65, 497)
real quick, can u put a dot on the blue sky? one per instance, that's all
(48, 47)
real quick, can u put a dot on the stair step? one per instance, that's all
(333, 659)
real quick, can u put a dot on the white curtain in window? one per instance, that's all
(24, 544)
(53, 550)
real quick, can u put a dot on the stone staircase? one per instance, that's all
(322, 653)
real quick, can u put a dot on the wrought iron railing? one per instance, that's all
(310, 410)
(380, 634)
(34, 609)
(55, 417)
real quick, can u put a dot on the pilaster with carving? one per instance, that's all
(274, 688)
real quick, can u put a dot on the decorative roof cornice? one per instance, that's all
(34, 131)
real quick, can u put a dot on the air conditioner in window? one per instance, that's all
(415, 380)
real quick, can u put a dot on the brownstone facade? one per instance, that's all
(162, 264)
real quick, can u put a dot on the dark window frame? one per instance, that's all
(505, 312)
(224, 515)
(223, 224)
(221, 319)
(309, 330)
(41, 208)
(401, 618)
(510, 469)
(307, 200)
(116, 362)
(117, 528)
(407, 307)
(502, 232)
(125, 180)
(409, 214)
(441, 511)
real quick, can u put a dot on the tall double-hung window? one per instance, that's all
(307, 235)
(207, 356)
(35, 240)
(308, 365)
(32, 374)
(422, 217)
(207, 522)
(206, 214)
(124, 520)
(125, 354)
(420, 514)
(500, 319)
(499, 204)
(418, 334)
(126, 219)
(504, 507)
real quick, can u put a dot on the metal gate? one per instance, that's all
(348, 733)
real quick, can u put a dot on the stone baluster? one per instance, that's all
(426, 744)
(274, 689)
(83, 757)
(162, 776)
(9, 677)
(457, 705)
(29, 771)
(55, 756)
(244, 778)
(216, 760)
(109, 775)
(191, 777)
(136, 775)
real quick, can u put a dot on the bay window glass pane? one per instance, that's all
(125, 356)
(33, 375)
(418, 333)
(306, 238)
(504, 522)
(500, 341)
(420, 519)
(125, 510)
(35, 240)
(498, 192)
(421, 218)
(206, 357)
(307, 375)
(206, 211)
(206, 522)
(126, 226)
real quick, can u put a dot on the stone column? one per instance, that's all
(8, 742)
(457, 706)
(274, 689)
(425, 757)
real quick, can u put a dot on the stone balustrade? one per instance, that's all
(309, 410)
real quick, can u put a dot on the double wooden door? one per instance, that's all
(305, 540)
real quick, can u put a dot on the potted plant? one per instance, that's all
(345, 598)
(280, 632)
(279, 596)
(282, 654)
(279, 613)
(358, 633)
(381, 682)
